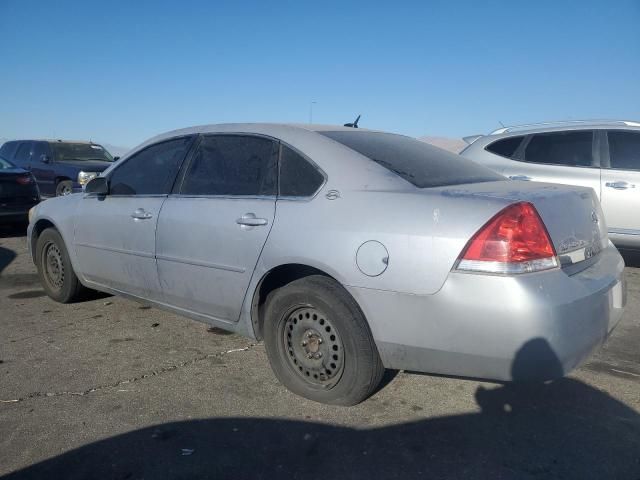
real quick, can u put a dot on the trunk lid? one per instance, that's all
(572, 215)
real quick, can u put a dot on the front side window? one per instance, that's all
(232, 165)
(151, 171)
(574, 148)
(624, 150)
(298, 178)
(23, 154)
(418, 163)
(79, 152)
(40, 151)
(505, 147)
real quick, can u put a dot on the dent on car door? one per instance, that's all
(212, 230)
(621, 186)
(115, 234)
(570, 158)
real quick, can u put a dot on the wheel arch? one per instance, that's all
(40, 226)
(273, 279)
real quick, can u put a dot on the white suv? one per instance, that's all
(601, 154)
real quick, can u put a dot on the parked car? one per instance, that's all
(60, 167)
(346, 250)
(18, 192)
(602, 155)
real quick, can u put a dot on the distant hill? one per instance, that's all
(452, 144)
(114, 150)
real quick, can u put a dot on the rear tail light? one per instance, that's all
(514, 241)
(25, 180)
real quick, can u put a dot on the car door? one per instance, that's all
(115, 234)
(567, 157)
(621, 182)
(212, 229)
(42, 168)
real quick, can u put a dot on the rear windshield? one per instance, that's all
(418, 163)
(80, 152)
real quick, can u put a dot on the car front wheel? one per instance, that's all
(54, 268)
(319, 343)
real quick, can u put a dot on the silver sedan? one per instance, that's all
(348, 251)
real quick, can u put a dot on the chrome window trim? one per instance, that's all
(179, 196)
(276, 197)
(624, 231)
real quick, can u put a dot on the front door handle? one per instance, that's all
(250, 220)
(619, 185)
(141, 214)
(520, 177)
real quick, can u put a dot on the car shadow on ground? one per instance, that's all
(562, 429)
(11, 230)
(631, 257)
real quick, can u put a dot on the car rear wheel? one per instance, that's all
(54, 268)
(319, 343)
(65, 187)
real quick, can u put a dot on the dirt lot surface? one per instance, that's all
(112, 389)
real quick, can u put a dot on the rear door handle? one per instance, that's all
(520, 177)
(250, 220)
(619, 185)
(141, 214)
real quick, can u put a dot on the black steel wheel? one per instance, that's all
(319, 343)
(313, 345)
(54, 268)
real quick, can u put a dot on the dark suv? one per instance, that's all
(60, 167)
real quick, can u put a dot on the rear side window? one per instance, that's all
(624, 150)
(561, 148)
(298, 178)
(416, 162)
(151, 171)
(232, 165)
(23, 153)
(8, 150)
(505, 147)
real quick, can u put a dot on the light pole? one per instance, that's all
(311, 110)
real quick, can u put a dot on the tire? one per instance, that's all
(316, 315)
(65, 187)
(54, 268)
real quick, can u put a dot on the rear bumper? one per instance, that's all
(528, 327)
(15, 211)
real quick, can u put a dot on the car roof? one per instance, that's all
(52, 141)
(479, 141)
(566, 125)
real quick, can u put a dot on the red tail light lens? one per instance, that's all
(514, 241)
(25, 180)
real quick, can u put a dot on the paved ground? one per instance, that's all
(111, 389)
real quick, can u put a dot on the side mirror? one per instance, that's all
(45, 158)
(97, 186)
(115, 159)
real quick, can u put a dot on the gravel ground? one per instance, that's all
(109, 388)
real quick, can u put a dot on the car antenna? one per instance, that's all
(501, 124)
(354, 124)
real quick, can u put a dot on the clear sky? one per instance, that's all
(121, 71)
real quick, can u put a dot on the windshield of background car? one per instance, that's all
(80, 152)
(5, 164)
(417, 162)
